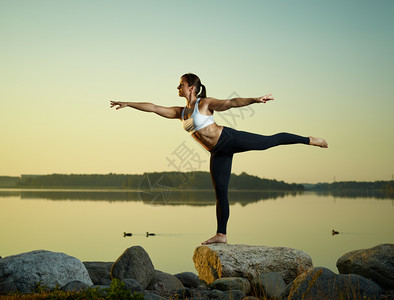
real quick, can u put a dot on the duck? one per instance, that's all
(127, 234)
(334, 232)
(149, 233)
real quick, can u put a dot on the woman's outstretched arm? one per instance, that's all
(173, 112)
(221, 105)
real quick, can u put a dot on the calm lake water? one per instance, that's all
(90, 224)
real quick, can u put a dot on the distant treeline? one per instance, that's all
(355, 185)
(377, 189)
(161, 180)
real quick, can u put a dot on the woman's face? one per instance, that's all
(184, 88)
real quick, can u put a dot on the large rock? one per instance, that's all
(22, 272)
(376, 263)
(134, 263)
(222, 260)
(99, 272)
(321, 283)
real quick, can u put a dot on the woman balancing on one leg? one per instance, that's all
(222, 142)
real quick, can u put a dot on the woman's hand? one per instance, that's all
(265, 98)
(119, 104)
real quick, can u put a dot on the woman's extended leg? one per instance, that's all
(246, 141)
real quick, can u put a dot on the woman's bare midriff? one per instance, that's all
(208, 136)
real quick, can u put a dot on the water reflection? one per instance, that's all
(179, 197)
(375, 194)
(174, 197)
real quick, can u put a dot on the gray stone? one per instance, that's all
(103, 289)
(75, 286)
(270, 285)
(231, 283)
(188, 279)
(22, 272)
(215, 294)
(321, 283)
(232, 295)
(164, 284)
(152, 296)
(376, 263)
(134, 263)
(185, 293)
(132, 285)
(99, 272)
(222, 260)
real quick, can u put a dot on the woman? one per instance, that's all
(222, 142)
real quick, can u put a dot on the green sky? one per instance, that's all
(329, 64)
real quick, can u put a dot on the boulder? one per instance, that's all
(376, 263)
(231, 283)
(24, 271)
(269, 285)
(188, 279)
(164, 284)
(321, 283)
(134, 263)
(99, 272)
(222, 260)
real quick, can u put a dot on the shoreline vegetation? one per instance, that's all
(191, 181)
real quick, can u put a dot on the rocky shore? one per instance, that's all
(224, 272)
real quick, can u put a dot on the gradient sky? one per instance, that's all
(329, 64)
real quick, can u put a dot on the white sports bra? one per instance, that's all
(196, 121)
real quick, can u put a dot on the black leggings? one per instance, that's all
(233, 141)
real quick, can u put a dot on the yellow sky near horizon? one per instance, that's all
(328, 64)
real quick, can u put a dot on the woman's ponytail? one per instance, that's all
(203, 93)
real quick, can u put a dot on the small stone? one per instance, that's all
(102, 289)
(132, 285)
(185, 293)
(270, 285)
(75, 286)
(231, 283)
(164, 283)
(215, 294)
(99, 272)
(151, 296)
(188, 279)
(232, 295)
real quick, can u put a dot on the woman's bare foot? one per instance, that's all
(317, 142)
(217, 238)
